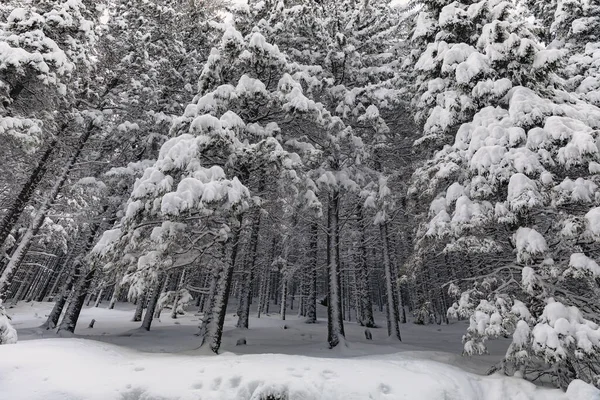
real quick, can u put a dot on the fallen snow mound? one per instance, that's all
(59, 369)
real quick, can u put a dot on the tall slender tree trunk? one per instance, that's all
(261, 294)
(311, 303)
(335, 322)
(163, 289)
(392, 314)
(99, 297)
(362, 272)
(212, 290)
(246, 295)
(284, 295)
(177, 296)
(139, 306)
(40, 216)
(153, 301)
(116, 292)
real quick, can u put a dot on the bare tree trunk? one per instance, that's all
(116, 292)
(392, 315)
(335, 322)
(152, 302)
(139, 307)
(246, 295)
(311, 303)
(99, 297)
(177, 296)
(163, 289)
(69, 321)
(284, 293)
(362, 272)
(213, 326)
(262, 289)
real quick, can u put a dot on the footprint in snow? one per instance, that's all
(197, 385)
(235, 381)
(385, 389)
(216, 384)
(138, 369)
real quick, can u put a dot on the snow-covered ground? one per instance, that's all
(122, 362)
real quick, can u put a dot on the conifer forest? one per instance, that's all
(299, 199)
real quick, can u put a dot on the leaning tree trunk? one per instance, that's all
(152, 302)
(392, 314)
(116, 292)
(99, 297)
(213, 326)
(246, 295)
(16, 208)
(69, 321)
(40, 216)
(61, 300)
(163, 289)
(362, 277)
(335, 322)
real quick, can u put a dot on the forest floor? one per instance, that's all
(116, 360)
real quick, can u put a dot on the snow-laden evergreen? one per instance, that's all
(514, 197)
(325, 164)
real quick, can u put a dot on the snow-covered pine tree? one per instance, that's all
(149, 55)
(576, 26)
(8, 334)
(514, 198)
(47, 54)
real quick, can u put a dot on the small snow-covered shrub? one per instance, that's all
(8, 334)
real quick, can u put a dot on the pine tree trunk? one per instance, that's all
(116, 292)
(152, 302)
(268, 290)
(392, 314)
(311, 303)
(99, 298)
(177, 295)
(362, 278)
(69, 321)
(246, 295)
(213, 327)
(139, 307)
(284, 292)
(40, 216)
(61, 300)
(401, 303)
(261, 294)
(212, 290)
(335, 323)
(163, 289)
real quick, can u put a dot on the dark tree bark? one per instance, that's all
(335, 322)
